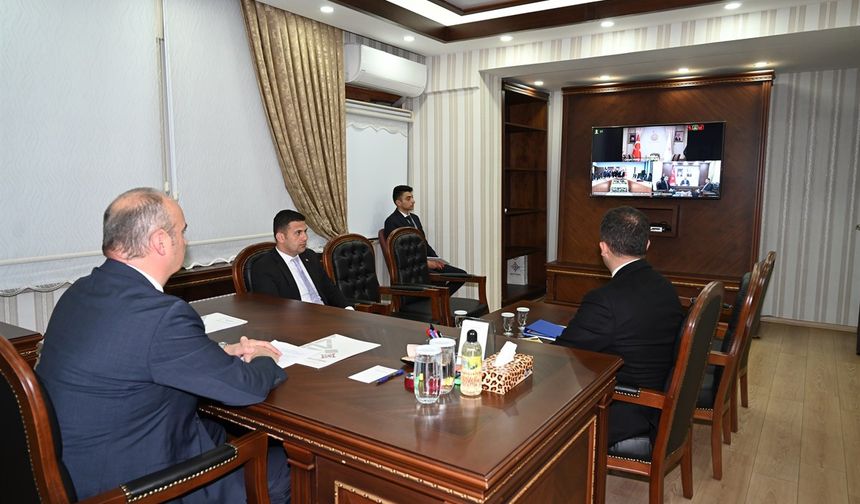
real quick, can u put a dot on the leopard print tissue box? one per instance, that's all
(499, 380)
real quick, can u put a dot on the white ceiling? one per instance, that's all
(823, 49)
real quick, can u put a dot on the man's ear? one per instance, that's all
(280, 237)
(157, 240)
(604, 249)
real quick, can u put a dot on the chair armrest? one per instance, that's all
(413, 287)
(439, 299)
(193, 473)
(718, 358)
(481, 280)
(642, 396)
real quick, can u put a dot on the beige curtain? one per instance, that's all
(300, 73)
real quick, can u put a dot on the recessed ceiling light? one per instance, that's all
(605, 77)
(506, 38)
(732, 5)
(761, 64)
(409, 38)
(683, 70)
(607, 24)
(538, 83)
(326, 9)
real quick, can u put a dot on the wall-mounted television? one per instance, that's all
(657, 161)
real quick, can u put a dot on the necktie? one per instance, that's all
(309, 286)
(412, 222)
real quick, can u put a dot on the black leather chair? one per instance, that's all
(350, 262)
(714, 404)
(244, 263)
(32, 464)
(766, 272)
(407, 265)
(673, 444)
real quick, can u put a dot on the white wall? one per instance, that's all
(82, 122)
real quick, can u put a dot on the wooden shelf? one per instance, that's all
(517, 251)
(513, 212)
(525, 112)
(542, 170)
(522, 128)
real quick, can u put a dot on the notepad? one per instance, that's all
(219, 321)
(543, 329)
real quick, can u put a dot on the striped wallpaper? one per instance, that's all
(812, 197)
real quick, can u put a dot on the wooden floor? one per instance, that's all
(799, 441)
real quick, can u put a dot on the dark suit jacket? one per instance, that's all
(397, 220)
(636, 316)
(271, 275)
(124, 364)
(709, 187)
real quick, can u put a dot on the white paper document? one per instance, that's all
(291, 354)
(218, 321)
(372, 374)
(334, 348)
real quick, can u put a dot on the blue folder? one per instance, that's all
(543, 329)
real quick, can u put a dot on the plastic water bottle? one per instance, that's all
(470, 371)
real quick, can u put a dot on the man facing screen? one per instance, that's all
(636, 316)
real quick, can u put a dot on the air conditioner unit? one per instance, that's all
(375, 69)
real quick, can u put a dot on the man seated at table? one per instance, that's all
(124, 363)
(402, 216)
(291, 270)
(635, 316)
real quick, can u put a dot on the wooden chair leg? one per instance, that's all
(655, 487)
(717, 446)
(744, 396)
(733, 406)
(727, 427)
(687, 468)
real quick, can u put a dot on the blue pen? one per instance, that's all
(389, 376)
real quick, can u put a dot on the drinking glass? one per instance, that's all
(522, 317)
(508, 323)
(447, 361)
(459, 315)
(428, 373)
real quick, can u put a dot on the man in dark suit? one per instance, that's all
(636, 316)
(708, 187)
(662, 184)
(403, 217)
(124, 363)
(291, 270)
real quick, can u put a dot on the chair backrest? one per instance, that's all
(766, 266)
(30, 454)
(244, 264)
(349, 261)
(686, 379)
(740, 301)
(407, 256)
(767, 270)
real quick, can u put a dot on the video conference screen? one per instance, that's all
(659, 161)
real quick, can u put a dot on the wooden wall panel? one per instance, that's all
(711, 239)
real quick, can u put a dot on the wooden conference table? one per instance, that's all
(544, 441)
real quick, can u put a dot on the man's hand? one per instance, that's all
(434, 264)
(248, 349)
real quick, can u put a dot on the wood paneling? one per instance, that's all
(710, 239)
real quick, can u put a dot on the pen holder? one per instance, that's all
(500, 380)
